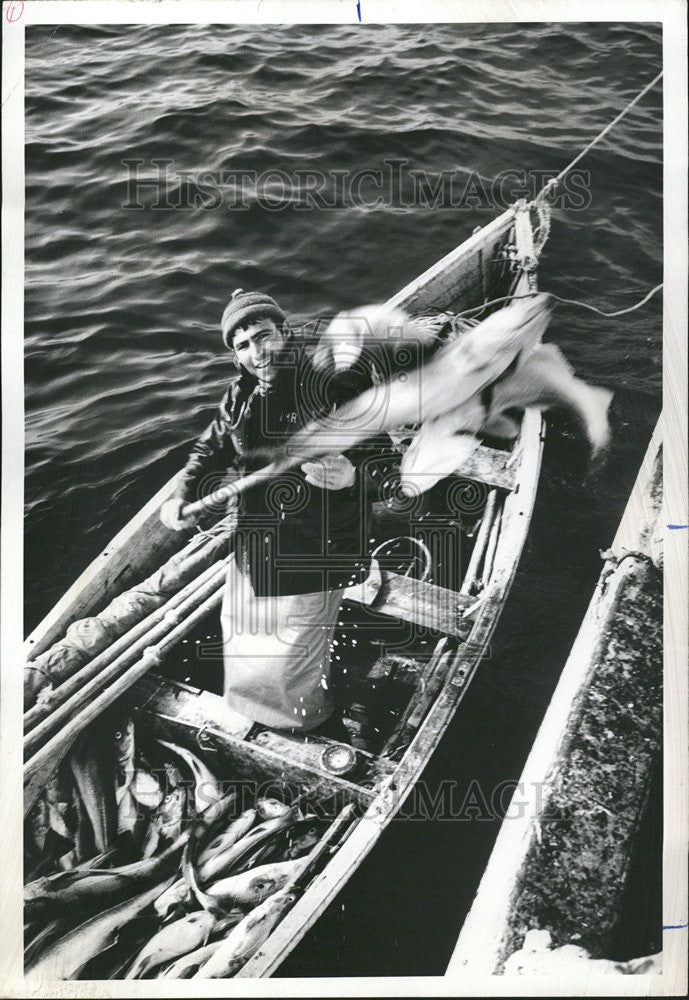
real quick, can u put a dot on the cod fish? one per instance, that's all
(64, 958)
(369, 329)
(145, 789)
(89, 885)
(170, 942)
(166, 822)
(96, 789)
(125, 749)
(206, 786)
(235, 831)
(253, 886)
(172, 897)
(246, 938)
(220, 863)
(543, 379)
(455, 373)
(186, 966)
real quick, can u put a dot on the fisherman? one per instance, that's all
(299, 535)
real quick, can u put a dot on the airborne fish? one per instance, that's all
(455, 373)
(368, 329)
(542, 379)
(545, 379)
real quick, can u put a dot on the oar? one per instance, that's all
(222, 496)
(87, 711)
(103, 680)
(122, 651)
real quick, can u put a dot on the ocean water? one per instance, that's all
(166, 166)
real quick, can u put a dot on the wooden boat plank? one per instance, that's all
(170, 708)
(371, 771)
(491, 466)
(422, 604)
(437, 287)
(483, 941)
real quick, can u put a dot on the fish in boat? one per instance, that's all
(302, 840)
(253, 886)
(207, 788)
(96, 788)
(58, 796)
(187, 965)
(229, 837)
(178, 938)
(64, 958)
(270, 808)
(146, 789)
(39, 823)
(172, 897)
(247, 937)
(221, 863)
(38, 942)
(125, 749)
(219, 845)
(166, 822)
(89, 885)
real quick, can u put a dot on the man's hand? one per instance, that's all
(332, 472)
(170, 515)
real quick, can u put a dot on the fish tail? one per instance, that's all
(595, 416)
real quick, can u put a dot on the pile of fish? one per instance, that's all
(202, 885)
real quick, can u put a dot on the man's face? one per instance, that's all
(256, 348)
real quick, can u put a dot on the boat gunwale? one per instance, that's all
(482, 941)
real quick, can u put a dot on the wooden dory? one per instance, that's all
(517, 892)
(431, 677)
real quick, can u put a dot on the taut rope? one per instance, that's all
(554, 181)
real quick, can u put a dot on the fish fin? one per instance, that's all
(431, 458)
(552, 353)
(499, 425)
(594, 415)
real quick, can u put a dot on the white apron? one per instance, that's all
(276, 653)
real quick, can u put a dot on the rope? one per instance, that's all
(572, 302)
(554, 181)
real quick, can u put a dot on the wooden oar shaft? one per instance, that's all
(222, 496)
(105, 687)
(120, 652)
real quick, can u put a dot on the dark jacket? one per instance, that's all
(291, 537)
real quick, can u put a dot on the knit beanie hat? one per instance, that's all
(246, 307)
